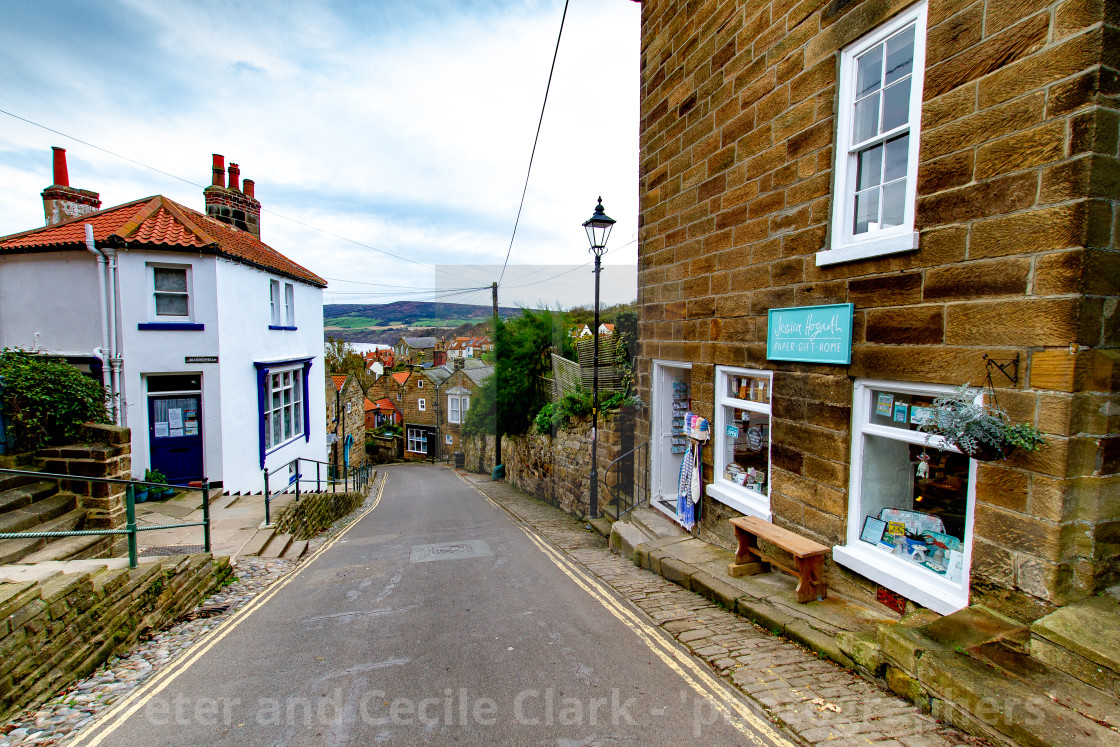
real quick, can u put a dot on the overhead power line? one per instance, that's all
(536, 137)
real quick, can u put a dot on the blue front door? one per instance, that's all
(175, 436)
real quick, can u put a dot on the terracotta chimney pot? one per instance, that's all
(219, 179)
(61, 175)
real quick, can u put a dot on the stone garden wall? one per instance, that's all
(57, 631)
(315, 512)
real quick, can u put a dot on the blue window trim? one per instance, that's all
(263, 368)
(172, 326)
(283, 327)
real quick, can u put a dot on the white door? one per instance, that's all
(671, 399)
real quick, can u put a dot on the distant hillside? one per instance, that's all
(388, 322)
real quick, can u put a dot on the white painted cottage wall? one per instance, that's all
(70, 292)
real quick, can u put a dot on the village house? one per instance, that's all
(381, 413)
(346, 422)
(415, 351)
(931, 186)
(203, 335)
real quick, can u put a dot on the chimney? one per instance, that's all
(439, 357)
(230, 204)
(63, 202)
(219, 179)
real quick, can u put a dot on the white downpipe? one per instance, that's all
(115, 360)
(101, 353)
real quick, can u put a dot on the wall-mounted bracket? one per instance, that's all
(1009, 369)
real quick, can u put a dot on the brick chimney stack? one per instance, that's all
(230, 204)
(60, 200)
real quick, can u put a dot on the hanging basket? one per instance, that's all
(985, 452)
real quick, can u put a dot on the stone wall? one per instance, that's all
(105, 452)
(55, 632)
(1017, 217)
(342, 422)
(557, 468)
(382, 450)
(315, 512)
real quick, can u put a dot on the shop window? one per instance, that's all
(418, 440)
(911, 503)
(878, 118)
(741, 440)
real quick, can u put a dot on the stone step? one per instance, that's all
(276, 546)
(654, 524)
(7, 482)
(257, 542)
(296, 550)
(73, 549)
(24, 495)
(625, 537)
(42, 510)
(1082, 640)
(15, 574)
(14, 550)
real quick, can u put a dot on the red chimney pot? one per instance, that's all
(61, 175)
(219, 179)
(249, 187)
(234, 175)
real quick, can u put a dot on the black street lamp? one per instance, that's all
(598, 228)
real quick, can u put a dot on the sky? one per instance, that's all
(371, 128)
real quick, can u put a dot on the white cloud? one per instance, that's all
(404, 126)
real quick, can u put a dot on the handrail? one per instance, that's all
(360, 477)
(617, 495)
(131, 529)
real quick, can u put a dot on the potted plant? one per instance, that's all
(140, 492)
(154, 475)
(979, 428)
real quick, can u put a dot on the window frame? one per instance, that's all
(457, 414)
(923, 586)
(274, 301)
(153, 312)
(421, 405)
(422, 439)
(296, 405)
(290, 304)
(743, 499)
(843, 244)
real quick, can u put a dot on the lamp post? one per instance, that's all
(598, 228)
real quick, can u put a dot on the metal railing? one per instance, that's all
(626, 480)
(356, 476)
(131, 529)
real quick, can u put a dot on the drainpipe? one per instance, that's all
(101, 353)
(115, 360)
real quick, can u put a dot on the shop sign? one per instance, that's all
(811, 334)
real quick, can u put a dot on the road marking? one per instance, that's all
(121, 712)
(758, 730)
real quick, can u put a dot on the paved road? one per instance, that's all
(436, 619)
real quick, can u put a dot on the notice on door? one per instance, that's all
(161, 430)
(175, 418)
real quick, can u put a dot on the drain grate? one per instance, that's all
(148, 552)
(210, 610)
(449, 551)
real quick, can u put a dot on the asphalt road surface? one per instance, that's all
(435, 619)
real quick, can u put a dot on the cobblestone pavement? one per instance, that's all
(815, 699)
(62, 717)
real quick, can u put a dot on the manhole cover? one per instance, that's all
(147, 552)
(449, 551)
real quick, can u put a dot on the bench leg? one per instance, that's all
(810, 579)
(748, 561)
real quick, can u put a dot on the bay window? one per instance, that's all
(284, 416)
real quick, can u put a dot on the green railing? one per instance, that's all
(130, 529)
(358, 476)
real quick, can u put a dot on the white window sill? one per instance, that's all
(911, 581)
(899, 242)
(739, 498)
(279, 446)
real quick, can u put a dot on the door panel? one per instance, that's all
(175, 436)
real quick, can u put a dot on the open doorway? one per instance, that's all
(671, 399)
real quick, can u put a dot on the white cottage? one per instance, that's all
(205, 337)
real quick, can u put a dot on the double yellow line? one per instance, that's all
(121, 712)
(755, 729)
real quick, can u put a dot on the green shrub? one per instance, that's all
(47, 400)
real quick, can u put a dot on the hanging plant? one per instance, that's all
(980, 429)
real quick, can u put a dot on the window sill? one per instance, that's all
(171, 326)
(291, 440)
(903, 242)
(282, 327)
(924, 587)
(739, 498)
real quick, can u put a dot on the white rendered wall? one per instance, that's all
(244, 318)
(148, 352)
(54, 294)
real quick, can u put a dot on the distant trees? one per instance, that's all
(341, 358)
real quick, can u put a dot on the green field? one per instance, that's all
(353, 322)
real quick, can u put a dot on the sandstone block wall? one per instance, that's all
(1017, 214)
(315, 512)
(55, 632)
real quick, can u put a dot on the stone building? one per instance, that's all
(346, 422)
(949, 169)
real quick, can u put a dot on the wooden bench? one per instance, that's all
(808, 556)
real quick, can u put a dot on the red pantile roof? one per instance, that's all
(159, 223)
(401, 377)
(368, 406)
(339, 381)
